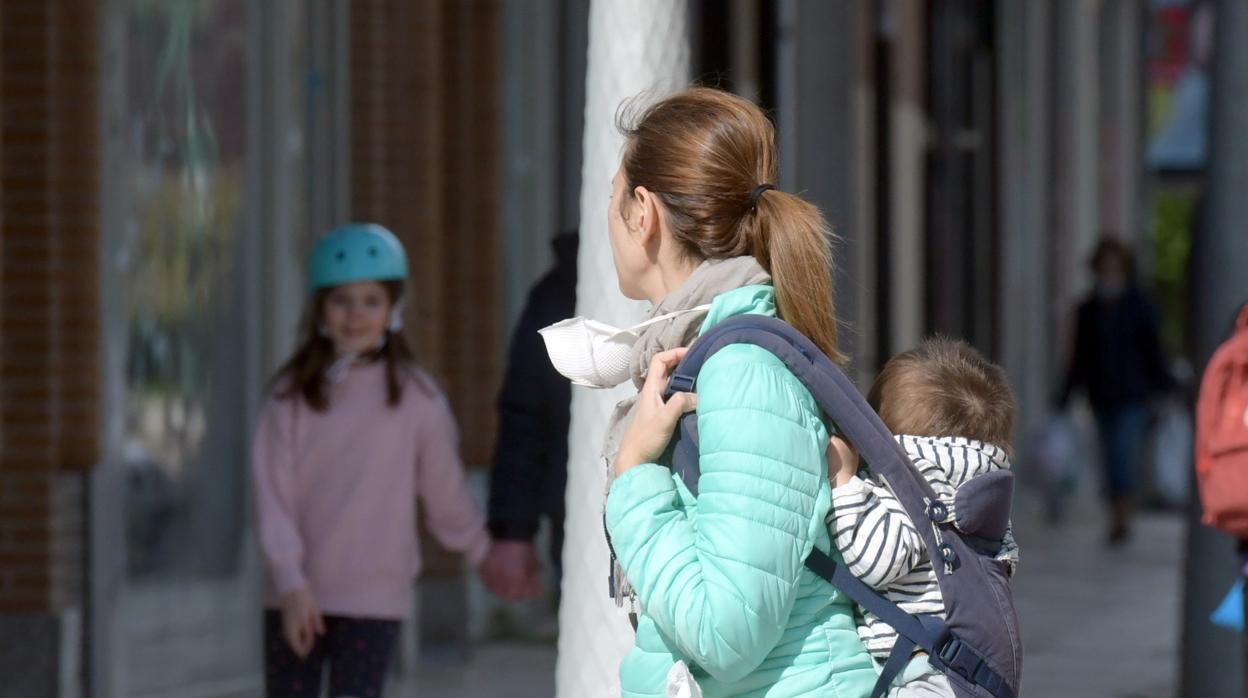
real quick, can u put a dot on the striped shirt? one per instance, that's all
(880, 543)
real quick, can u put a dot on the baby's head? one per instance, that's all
(943, 387)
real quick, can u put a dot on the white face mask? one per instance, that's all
(595, 354)
(1110, 289)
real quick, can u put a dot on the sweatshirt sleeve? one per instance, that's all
(722, 586)
(873, 532)
(450, 509)
(272, 467)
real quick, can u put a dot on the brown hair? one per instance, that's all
(1108, 247)
(703, 152)
(303, 374)
(943, 387)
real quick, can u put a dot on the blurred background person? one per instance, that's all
(353, 434)
(1118, 363)
(531, 457)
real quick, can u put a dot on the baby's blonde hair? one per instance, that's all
(943, 387)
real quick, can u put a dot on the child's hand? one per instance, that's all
(654, 420)
(301, 621)
(842, 461)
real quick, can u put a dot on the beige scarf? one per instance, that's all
(710, 279)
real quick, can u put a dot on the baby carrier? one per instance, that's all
(977, 645)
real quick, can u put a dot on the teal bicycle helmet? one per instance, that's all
(356, 252)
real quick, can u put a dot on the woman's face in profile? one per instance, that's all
(626, 248)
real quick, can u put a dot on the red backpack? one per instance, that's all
(1222, 435)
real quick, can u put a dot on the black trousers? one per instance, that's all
(357, 651)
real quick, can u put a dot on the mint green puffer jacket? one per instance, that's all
(720, 577)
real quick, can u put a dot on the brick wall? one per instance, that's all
(426, 162)
(49, 326)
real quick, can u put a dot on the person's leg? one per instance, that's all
(359, 654)
(1112, 484)
(556, 554)
(1130, 429)
(1120, 430)
(1133, 421)
(285, 674)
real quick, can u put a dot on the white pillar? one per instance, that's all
(1076, 210)
(1122, 120)
(1213, 659)
(635, 46)
(908, 129)
(530, 146)
(1025, 189)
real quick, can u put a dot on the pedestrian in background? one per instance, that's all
(352, 435)
(1118, 362)
(531, 458)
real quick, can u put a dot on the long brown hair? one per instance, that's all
(303, 374)
(703, 152)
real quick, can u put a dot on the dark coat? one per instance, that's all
(1118, 359)
(531, 457)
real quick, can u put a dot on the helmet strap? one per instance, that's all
(396, 318)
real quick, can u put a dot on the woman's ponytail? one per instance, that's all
(794, 243)
(710, 157)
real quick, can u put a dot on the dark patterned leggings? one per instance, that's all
(357, 649)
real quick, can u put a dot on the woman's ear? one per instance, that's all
(648, 211)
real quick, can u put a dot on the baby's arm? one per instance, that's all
(873, 532)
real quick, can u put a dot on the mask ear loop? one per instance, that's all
(393, 326)
(667, 316)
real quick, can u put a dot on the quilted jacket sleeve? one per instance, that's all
(721, 586)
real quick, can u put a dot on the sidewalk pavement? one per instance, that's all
(1097, 622)
(495, 670)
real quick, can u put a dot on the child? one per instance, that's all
(352, 434)
(953, 413)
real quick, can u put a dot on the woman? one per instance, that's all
(719, 578)
(1119, 363)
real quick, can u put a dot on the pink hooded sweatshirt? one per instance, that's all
(336, 494)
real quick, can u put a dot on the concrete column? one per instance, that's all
(1213, 660)
(908, 127)
(822, 102)
(634, 46)
(1025, 188)
(1122, 117)
(530, 145)
(1076, 197)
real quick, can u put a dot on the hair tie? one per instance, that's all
(758, 191)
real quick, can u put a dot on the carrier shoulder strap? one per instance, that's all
(854, 418)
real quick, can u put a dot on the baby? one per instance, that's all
(953, 412)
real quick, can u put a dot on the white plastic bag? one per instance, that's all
(1168, 456)
(1051, 454)
(681, 684)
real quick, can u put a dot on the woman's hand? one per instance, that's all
(654, 420)
(301, 621)
(842, 461)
